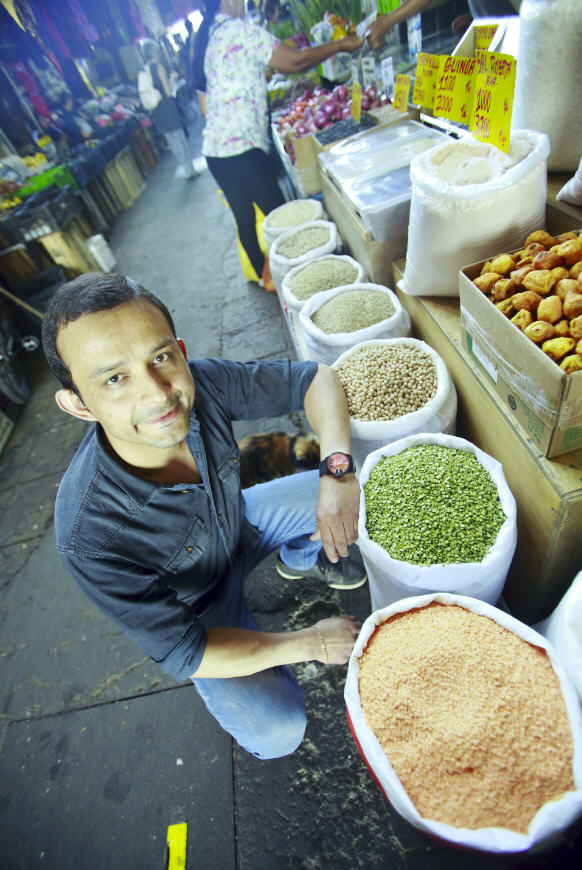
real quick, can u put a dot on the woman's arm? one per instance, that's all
(238, 652)
(287, 59)
(385, 23)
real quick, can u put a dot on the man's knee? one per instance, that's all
(279, 738)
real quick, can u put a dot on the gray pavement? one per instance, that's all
(99, 750)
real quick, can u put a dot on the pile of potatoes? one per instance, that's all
(540, 290)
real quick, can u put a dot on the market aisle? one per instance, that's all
(99, 750)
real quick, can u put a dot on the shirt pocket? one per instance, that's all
(191, 550)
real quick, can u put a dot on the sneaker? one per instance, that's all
(348, 573)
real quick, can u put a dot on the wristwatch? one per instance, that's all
(337, 465)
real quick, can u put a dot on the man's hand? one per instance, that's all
(339, 635)
(351, 42)
(377, 32)
(337, 512)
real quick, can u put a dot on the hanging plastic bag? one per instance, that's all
(469, 200)
(391, 579)
(553, 818)
(326, 267)
(291, 215)
(439, 414)
(563, 629)
(281, 264)
(324, 347)
(246, 266)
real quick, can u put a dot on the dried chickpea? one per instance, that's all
(556, 348)
(572, 305)
(571, 363)
(558, 274)
(506, 307)
(522, 319)
(503, 289)
(524, 261)
(576, 327)
(566, 237)
(547, 260)
(550, 309)
(486, 282)
(540, 237)
(519, 274)
(576, 270)
(565, 286)
(571, 251)
(503, 264)
(578, 347)
(539, 331)
(533, 248)
(562, 329)
(539, 280)
(528, 300)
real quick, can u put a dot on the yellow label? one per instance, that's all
(454, 89)
(356, 109)
(176, 841)
(484, 34)
(493, 104)
(427, 73)
(401, 93)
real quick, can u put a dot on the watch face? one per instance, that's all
(338, 463)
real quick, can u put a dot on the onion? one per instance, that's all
(320, 120)
(328, 107)
(365, 102)
(341, 93)
(346, 113)
(371, 92)
(327, 124)
(301, 130)
(308, 113)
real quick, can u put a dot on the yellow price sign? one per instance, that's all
(484, 34)
(401, 92)
(454, 89)
(176, 846)
(493, 105)
(356, 107)
(427, 73)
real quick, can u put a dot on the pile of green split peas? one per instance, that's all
(433, 505)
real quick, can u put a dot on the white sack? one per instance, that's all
(563, 629)
(552, 818)
(292, 305)
(326, 347)
(391, 579)
(438, 415)
(457, 219)
(272, 232)
(572, 190)
(281, 265)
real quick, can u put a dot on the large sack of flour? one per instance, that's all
(437, 517)
(470, 200)
(564, 631)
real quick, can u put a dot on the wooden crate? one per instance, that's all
(548, 492)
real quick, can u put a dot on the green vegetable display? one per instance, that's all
(432, 505)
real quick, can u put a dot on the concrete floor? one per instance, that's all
(99, 750)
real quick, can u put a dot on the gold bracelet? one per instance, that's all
(323, 645)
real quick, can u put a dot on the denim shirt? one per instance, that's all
(150, 554)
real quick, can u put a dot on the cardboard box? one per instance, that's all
(545, 401)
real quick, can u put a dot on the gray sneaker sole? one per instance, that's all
(296, 576)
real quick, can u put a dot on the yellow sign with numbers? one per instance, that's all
(401, 92)
(493, 104)
(454, 89)
(427, 73)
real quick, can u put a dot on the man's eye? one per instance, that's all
(162, 357)
(114, 379)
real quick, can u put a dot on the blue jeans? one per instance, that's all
(265, 712)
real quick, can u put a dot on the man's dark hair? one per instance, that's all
(88, 294)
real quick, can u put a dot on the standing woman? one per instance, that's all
(230, 59)
(166, 116)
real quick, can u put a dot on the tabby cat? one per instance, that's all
(275, 454)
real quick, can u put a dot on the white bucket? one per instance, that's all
(100, 251)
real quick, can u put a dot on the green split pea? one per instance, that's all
(433, 505)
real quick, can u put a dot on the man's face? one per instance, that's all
(132, 378)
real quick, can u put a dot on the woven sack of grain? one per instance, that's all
(553, 817)
(325, 347)
(304, 281)
(563, 629)
(437, 414)
(394, 578)
(469, 200)
(291, 215)
(300, 245)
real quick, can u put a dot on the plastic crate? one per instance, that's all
(41, 215)
(59, 175)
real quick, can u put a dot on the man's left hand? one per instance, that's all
(337, 512)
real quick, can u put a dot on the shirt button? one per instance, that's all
(219, 517)
(189, 549)
(185, 490)
(235, 460)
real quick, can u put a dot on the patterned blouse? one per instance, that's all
(236, 95)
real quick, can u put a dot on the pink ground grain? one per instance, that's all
(471, 717)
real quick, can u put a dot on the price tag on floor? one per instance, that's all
(356, 108)
(427, 75)
(455, 88)
(493, 104)
(401, 93)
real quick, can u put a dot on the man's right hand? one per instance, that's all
(339, 635)
(351, 42)
(377, 33)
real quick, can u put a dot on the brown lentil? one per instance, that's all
(322, 274)
(302, 241)
(384, 382)
(290, 214)
(471, 717)
(353, 310)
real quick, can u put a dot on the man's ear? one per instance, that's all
(182, 347)
(72, 404)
